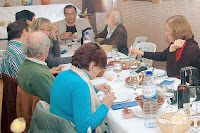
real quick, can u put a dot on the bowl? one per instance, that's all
(173, 128)
(139, 99)
(106, 48)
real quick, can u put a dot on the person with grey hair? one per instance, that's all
(34, 76)
(114, 33)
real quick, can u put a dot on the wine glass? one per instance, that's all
(169, 93)
(193, 97)
(69, 41)
(117, 68)
(195, 118)
(114, 53)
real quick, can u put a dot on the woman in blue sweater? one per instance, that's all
(73, 96)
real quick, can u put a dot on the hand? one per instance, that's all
(99, 39)
(73, 35)
(176, 45)
(56, 70)
(103, 87)
(108, 99)
(55, 27)
(136, 51)
(53, 35)
(65, 35)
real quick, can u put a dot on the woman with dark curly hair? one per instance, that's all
(73, 96)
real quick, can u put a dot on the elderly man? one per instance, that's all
(72, 26)
(13, 57)
(26, 16)
(34, 75)
(114, 33)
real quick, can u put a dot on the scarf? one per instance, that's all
(178, 55)
(95, 102)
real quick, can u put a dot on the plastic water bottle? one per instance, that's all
(87, 38)
(150, 98)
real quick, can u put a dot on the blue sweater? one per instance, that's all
(70, 99)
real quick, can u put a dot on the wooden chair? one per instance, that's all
(25, 105)
(8, 103)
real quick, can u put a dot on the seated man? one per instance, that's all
(72, 26)
(13, 57)
(26, 16)
(34, 75)
(114, 33)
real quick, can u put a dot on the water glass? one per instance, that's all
(193, 97)
(114, 53)
(169, 93)
(68, 42)
(195, 118)
(117, 68)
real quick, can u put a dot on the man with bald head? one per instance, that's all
(34, 76)
(114, 33)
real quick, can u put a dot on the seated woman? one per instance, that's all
(53, 58)
(183, 50)
(73, 96)
(114, 33)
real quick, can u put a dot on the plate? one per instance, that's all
(121, 96)
(128, 80)
(111, 63)
(158, 73)
(139, 113)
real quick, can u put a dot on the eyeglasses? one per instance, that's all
(97, 47)
(72, 13)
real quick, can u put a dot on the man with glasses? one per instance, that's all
(71, 26)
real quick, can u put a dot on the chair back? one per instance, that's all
(25, 105)
(148, 47)
(8, 103)
(139, 39)
(46, 122)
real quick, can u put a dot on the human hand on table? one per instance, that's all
(176, 45)
(103, 87)
(99, 39)
(108, 99)
(65, 35)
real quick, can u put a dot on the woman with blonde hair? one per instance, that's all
(47, 27)
(183, 49)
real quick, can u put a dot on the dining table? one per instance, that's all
(115, 119)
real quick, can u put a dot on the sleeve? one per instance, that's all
(56, 49)
(42, 86)
(102, 34)
(157, 56)
(188, 55)
(56, 61)
(83, 118)
(119, 37)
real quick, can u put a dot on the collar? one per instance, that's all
(36, 61)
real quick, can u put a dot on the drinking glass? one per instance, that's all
(195, 118)
(117, 68)
(193, 97)
(114, 53)
(68, 42)
(169, 93)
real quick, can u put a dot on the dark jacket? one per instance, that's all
(119, 38)
(190, 57)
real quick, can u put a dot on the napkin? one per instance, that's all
(122, 105)
(167, 82)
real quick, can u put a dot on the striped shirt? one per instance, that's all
(12, 59)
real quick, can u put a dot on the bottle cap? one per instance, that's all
(86, 33)
(148, 73)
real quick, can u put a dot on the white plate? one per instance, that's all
(130, 86)
(139, 113)
(158, 73)
(122, 96)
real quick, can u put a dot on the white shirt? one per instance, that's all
(110, 32)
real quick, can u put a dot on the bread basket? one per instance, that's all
(173, 128)
(106, 48)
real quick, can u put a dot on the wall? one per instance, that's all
(148, 19)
